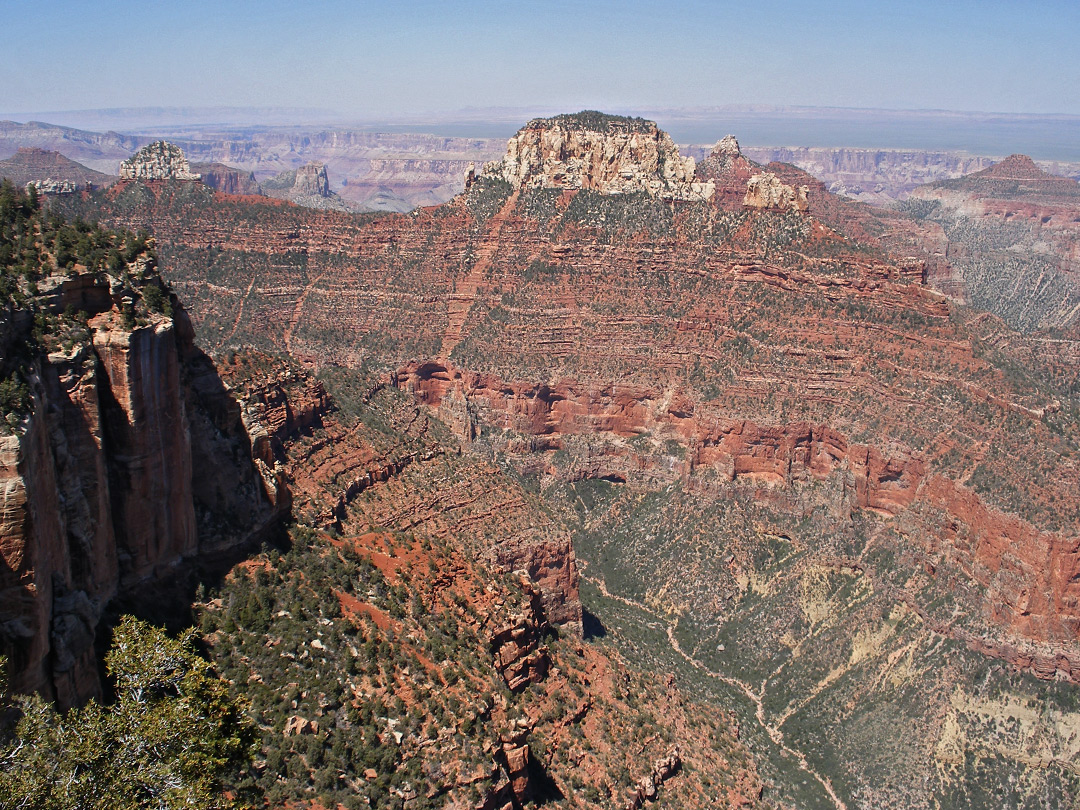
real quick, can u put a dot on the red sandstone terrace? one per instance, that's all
(608, 402)
(769, 343)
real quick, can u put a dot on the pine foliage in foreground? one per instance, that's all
(166, 742)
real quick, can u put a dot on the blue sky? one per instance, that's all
(385, 59)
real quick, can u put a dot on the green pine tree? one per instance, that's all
(172, 739)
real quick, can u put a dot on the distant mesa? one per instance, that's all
(1015, 167)
(159, 160)
(311, 181)
(1017, 177)
(1013, 242)
(590, 150)
(614, 154)
(100, 151)
(766, 191)
(227, 179)
(281, 184)
(50, 172)
(309, 186)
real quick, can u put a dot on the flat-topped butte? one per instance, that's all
(593, 151)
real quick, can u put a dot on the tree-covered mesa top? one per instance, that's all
(36, 243)
(40, 251)
(595, 121)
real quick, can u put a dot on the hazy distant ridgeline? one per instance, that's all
(873, 156)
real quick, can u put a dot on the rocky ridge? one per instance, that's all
(464, 573)
(48, 169)
(226, 179)
(1013, 241)
(100, 151)
(1017, 177)
(876, 176)
(495, 704)
(50, 185)
(884, 289)
(400, 171)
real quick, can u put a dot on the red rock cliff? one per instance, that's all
(132, 463)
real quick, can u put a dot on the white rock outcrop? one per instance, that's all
(605, 153)
(727, 147)
(51, 185)
(159, 160)
(766, 191)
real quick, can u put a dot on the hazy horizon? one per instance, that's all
(1043, 137)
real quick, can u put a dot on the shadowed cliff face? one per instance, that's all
(131, 466)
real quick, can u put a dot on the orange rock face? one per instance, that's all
(327, 475)
(1029, 578)
(142, 372)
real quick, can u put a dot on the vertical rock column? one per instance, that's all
(150, 454)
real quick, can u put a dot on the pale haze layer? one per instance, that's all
(390, 59)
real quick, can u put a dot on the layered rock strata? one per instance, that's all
(876, 176)
(226, 179)
(309, 186)
(1028, 584)
(738, 321)
(311, 181)
(1012, 236)
(494, 519)
(774, 435)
